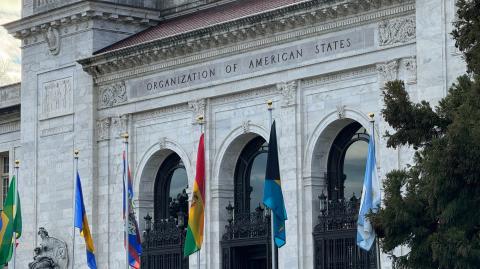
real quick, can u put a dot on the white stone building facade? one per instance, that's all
(92, 70)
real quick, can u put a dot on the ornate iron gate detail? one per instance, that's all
(335, 237)
(246, 235)
(164, 240)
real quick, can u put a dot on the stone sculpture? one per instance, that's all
(51, 254)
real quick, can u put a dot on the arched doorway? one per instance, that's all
(246, 241)
(165, 236)
(335, 233)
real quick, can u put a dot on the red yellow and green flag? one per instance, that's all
(196, 214)
(10, 223)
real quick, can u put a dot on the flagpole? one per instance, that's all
(75, 172)
(272, 233)
(377, 245)
(127, 209)
(17, 167)
(200, 121)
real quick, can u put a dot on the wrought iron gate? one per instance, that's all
(246, 241)
(335, 237)
(164, 240)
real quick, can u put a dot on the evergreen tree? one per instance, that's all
(433, 206)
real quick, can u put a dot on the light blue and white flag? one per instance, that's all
(370, 201)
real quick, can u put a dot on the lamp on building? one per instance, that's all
(148, 223)
(229, 209)
(181, 219)
(323, 203)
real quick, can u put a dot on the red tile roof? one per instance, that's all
(199, 20)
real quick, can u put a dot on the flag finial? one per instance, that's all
(17, 163)
(371, 115)
(124, 136)
(269, 104)
(76, 152)
(200, 119)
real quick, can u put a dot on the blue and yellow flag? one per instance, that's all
(272, 191)
(81, 223)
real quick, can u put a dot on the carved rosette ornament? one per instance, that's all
(388, 71)
(112, 95)
(52, 37)
(198, 108)
(396, 31)
(288, 91)
(103, 129)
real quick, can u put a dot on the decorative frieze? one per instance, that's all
(198, 108)
(9, 127)
(10, 95)
(400, 30)
(388, 71)
(56, 98)
(103, 129)
(112, 95)
(288, 90)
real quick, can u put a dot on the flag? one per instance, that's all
(81, 223)
(370, 201)
(272, 191)
(194, 239)
(10, 222)
(134, 243)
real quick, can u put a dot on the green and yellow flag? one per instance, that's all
(10, 222)
(194, 239)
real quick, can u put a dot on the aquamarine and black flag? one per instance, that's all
(272, 192)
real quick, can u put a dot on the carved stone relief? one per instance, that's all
(289, 92)
(411, 68)
(162, 142)
(119, 125)
(198, 109)
(246, 126)
(112, 95)
(51, 254)
(103, 129)
(52, 37)
(396, 31)
(388, 71)
(57, 98)
(341, 111)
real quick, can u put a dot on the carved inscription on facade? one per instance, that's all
(57, 98)
(245, 64)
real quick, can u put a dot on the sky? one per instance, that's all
(10, 61)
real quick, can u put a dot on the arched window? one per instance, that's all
(250, 176)
(346, 162)
(170, 185)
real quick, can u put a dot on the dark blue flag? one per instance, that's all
(272, 192)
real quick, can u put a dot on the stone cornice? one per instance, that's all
(81, 11)
(301, 20)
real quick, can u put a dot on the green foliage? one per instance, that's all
(433, 207)
(467, 32)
